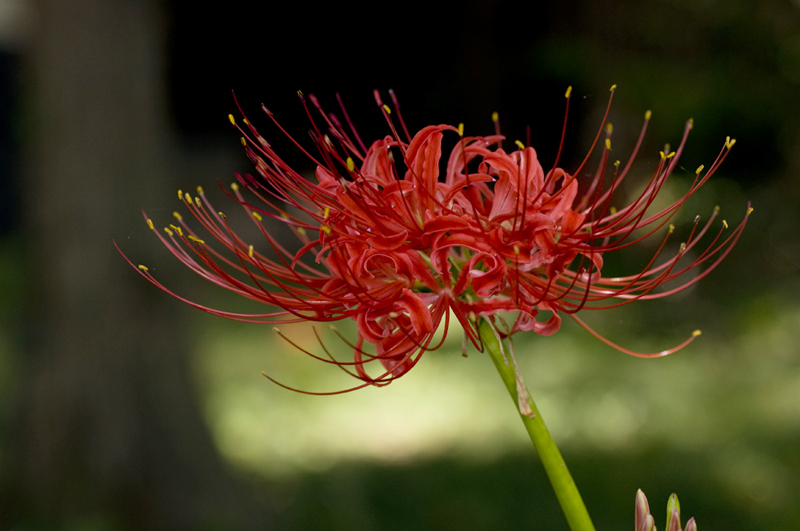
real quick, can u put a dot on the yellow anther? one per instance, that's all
(327, 140)
(569, 92)
(671, 228)
(221, 215)
(516, 249)
(696, 333)
(729, 142)
(647, 114)
(301, 231)
(194, 239)
(616, 163)
(150, 224)
(245, 121)
(169, 232)
(177, 216)
(244, 142)
(387, 109)
(519, 144)
(697, 219)
(612, 210)
(683, 248)
(250, 251)
(142, 267)
(326, 229)
(197, 200)
(699, 169)
(180, 195)
(176, 229)
(614, 86)
(394, 315)
(188, 198)
(200, 190)
(749, 211)
(350, 164)
(724, 223)
(284, 215)
(234, 187)
(461, 129)
(690, 123)
(608, 144)
(230, 117)
(276, 329)
(609, 128)
(716, 209)
(662, 155)
(327, 212)
(300, 93)
(495, 117)
(257, 216)
(671, 155)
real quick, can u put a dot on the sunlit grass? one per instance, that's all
(718, 397)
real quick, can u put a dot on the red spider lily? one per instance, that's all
(391, 243)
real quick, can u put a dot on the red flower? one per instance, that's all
(395, 238)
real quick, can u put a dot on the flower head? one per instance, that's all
(644, 521)
(402, 234)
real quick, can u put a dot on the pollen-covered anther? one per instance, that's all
(519, 144)
(716, 209)
(188, 198)
(609, 128)
(569, 92)
(351, 166)
(326, 213)
(150, 224)
(143, 267)
(724, 223)
(729, 142)
(699, 169)
(234, 187)
(169, 232)
(176, 229)
(648, 114)
(608, 144)
(690, 123)
(496, 116)
(195, 239)
(671, 228)
(682, 249)
(326, 229)
(231, 119)
(749, 211)
(250, 251)
(257, 216)
(220, 214)
(177, 216)
(200, 190)
(461, 129)
(696, 333)
(244, 142)
(387, 109)
(394, 315)
(613, 87)
(616, 164)
(180, 195)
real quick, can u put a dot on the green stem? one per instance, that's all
(563, 484)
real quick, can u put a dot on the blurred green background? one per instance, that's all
(122, 408)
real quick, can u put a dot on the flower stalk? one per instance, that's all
(557, 471)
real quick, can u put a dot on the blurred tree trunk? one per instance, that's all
(107, 429)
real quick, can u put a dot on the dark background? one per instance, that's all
(108, 107)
